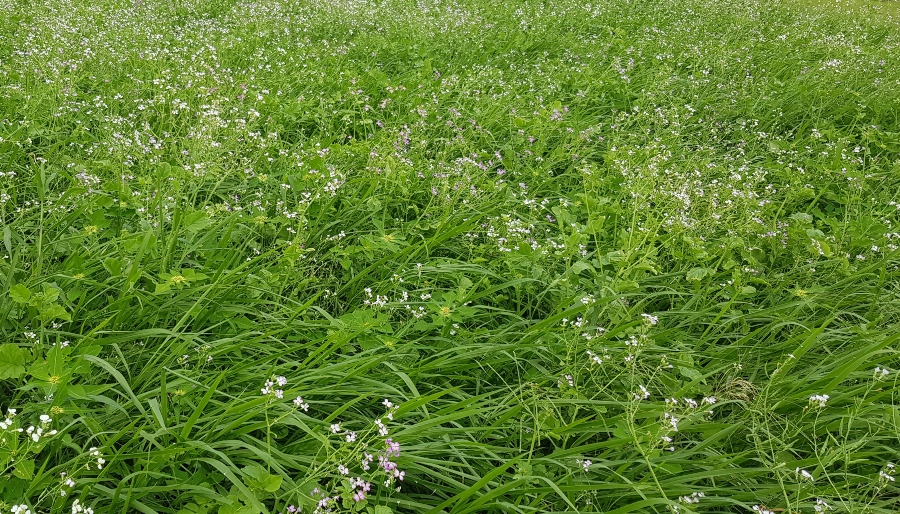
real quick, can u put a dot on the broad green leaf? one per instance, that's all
(196, 221)
(697, 274)
(272, 483)
(54, 311)
(49, 292)
(24, 469)
(19, 293)
(12, 361)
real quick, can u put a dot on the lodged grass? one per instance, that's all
(449, 256)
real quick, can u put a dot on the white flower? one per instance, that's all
(804, 475)
(78, 508)
(642, 394)
(818, 400)
(95, 453)
(821, 506)
(335, 428)
(693, 498)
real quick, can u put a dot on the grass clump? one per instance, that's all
(449, 256)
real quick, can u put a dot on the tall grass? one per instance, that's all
(452, 256)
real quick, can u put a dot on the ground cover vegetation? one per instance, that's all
(449, 256)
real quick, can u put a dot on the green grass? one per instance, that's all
(598, 257)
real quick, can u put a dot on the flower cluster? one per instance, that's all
(596, 359)
(67, 482)
(300, 404)
(6, 423)
(642, 393)
(886, 475)
(650, 319)
(360, 488)
(366, 460)
(78, 508)
(270, 389)
(325, 503)
(804, 476)
(389, 466)
(35, 433)
(821, 506)
(690, 499)
(818, 400)
(358, 446)
(96, 454)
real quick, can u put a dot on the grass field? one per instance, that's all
(449, 256)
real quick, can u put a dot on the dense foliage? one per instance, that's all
(449, 256)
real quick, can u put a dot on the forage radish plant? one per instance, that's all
(449, 256)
